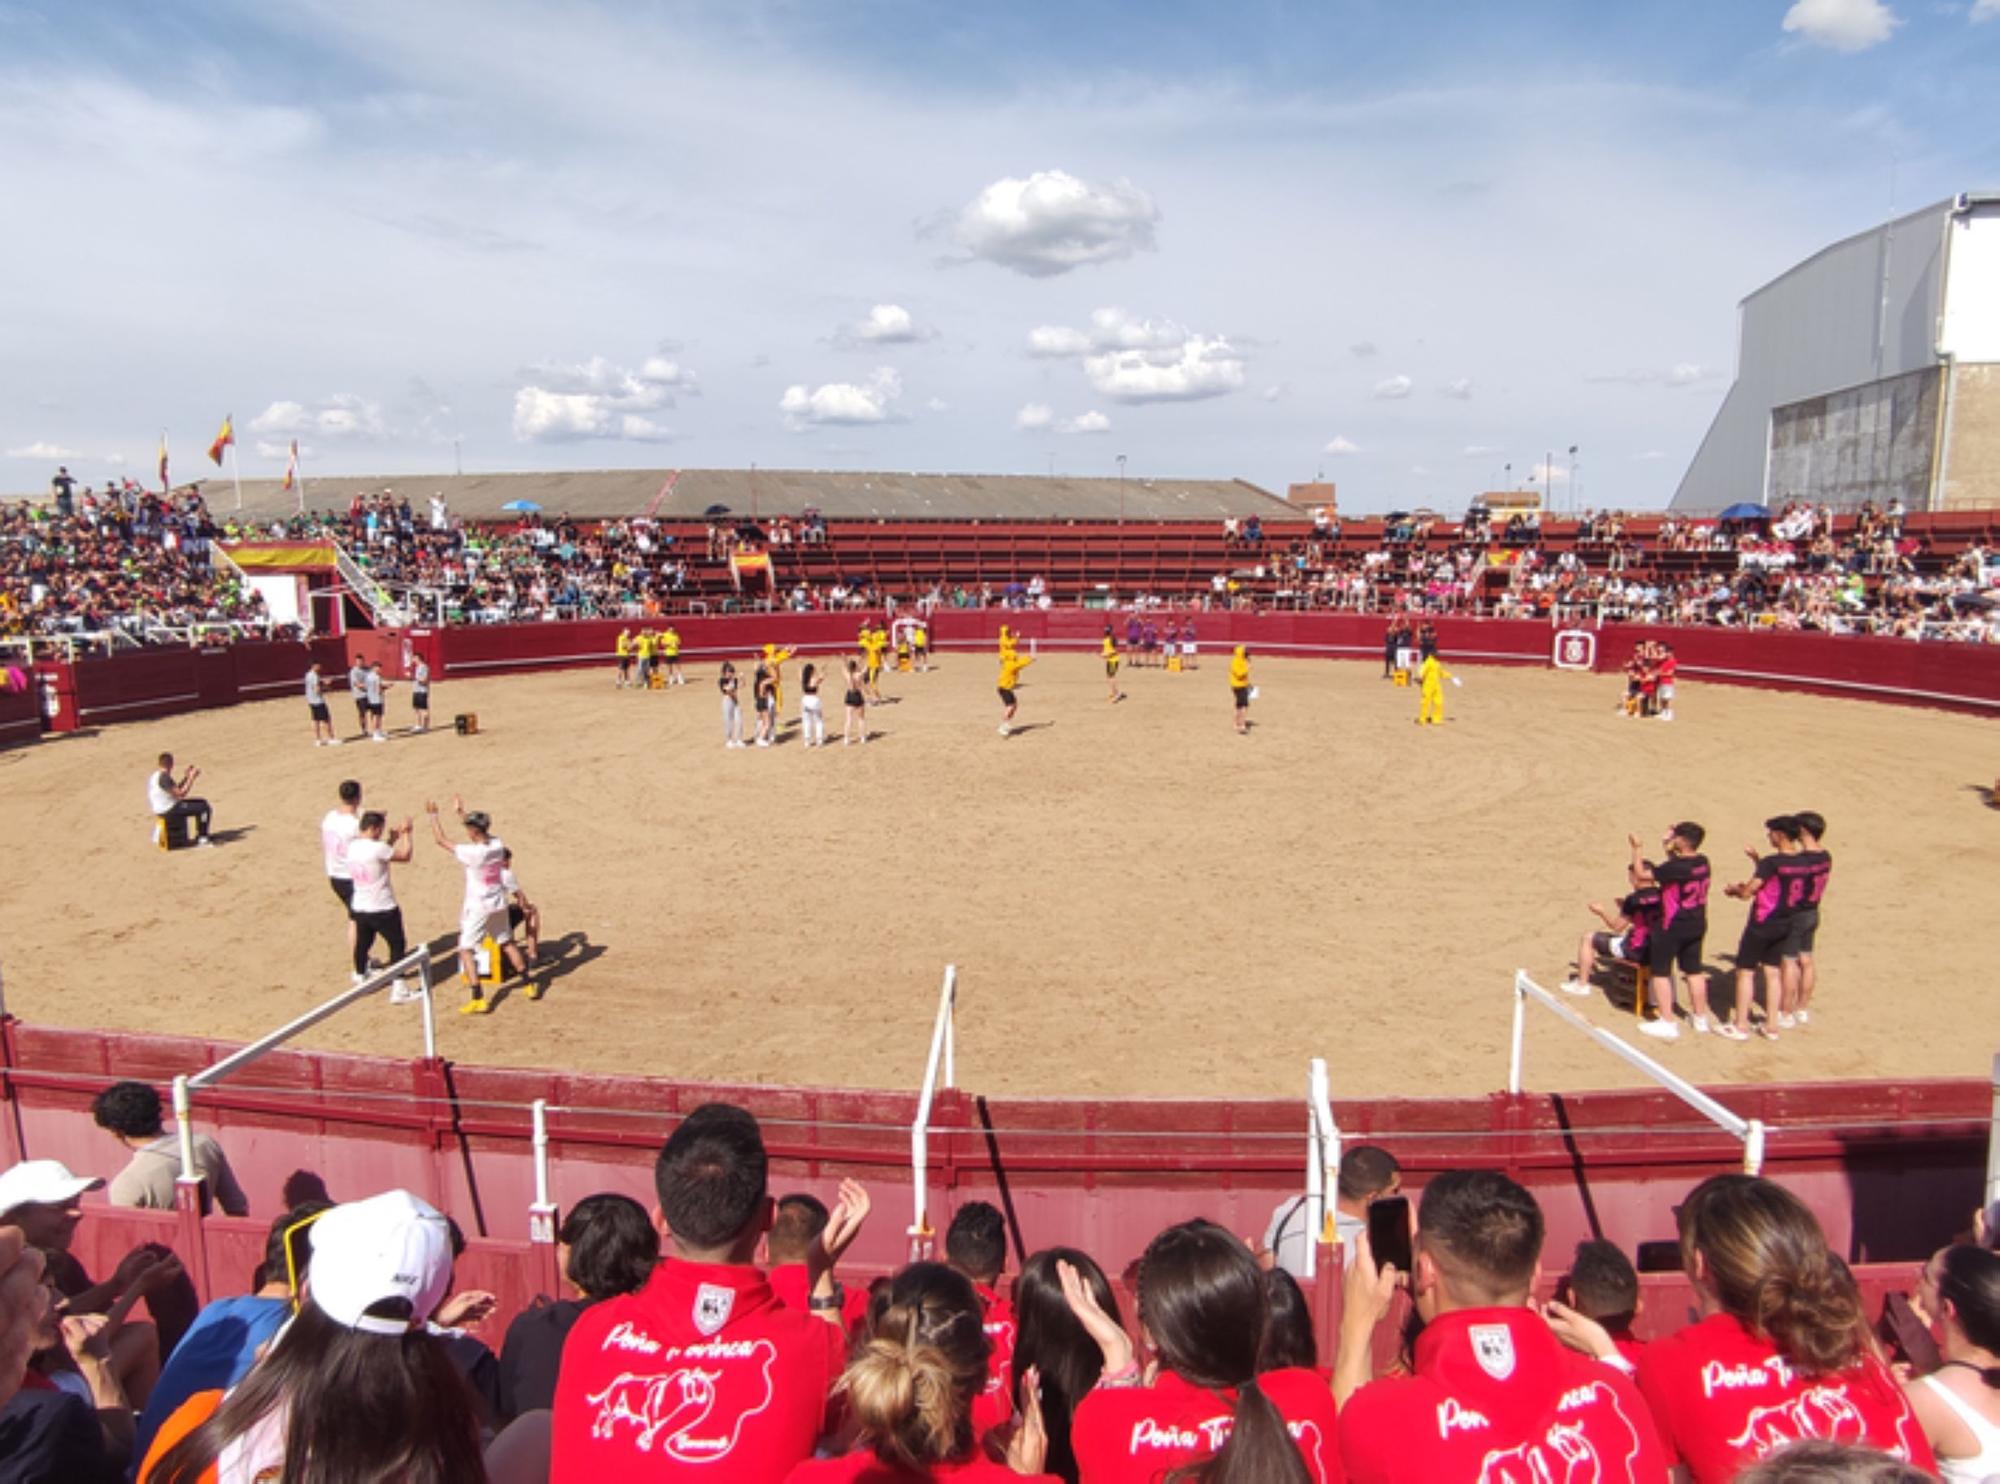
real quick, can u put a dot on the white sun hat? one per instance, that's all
(42, 1182)
(390, 1246)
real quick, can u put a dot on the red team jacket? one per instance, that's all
(1498, 1399)
(702, 1374)
(1136, 1434)
(1724, 1399)
(865, 1468)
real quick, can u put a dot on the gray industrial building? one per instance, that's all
(1871, 371)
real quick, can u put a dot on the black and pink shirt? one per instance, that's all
(1642, 910)
(1783, 882)
(1683, 883)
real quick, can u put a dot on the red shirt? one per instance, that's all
(1496, 1397)
(866, 1468)
(995, 1405)
(788, 1282)
(1724, 1399)
(702, 1374)
(1138, 1434)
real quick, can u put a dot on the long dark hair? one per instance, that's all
(911, 1385)
(1202, 1299)
(1768, 1259)
(1288, 1325)
(358, 1408)
(1969, 1279)
(1049, 1337)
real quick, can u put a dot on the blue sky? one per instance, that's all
(1408, 246)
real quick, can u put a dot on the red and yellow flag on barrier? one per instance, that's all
(224, 439)
(292, 467)
(746, 563)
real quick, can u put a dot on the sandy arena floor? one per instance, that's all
(1139, 901)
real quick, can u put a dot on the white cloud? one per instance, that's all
(885, 324)
(1055, 342)
(1542, 474)
(40, 450)
(1460, 390)
(843, 403)
(1362, 349)
(1985, 10)
(1034, 417)
(341, 416)
(1052, 222)
(1088, 422)
(281, 451)
(1683, 373)
(1420, 471)
(1203, 366)
(1651, 455)
(1480, 450)
(1844, 25)
(1394, 389)
(1341, 446)
(570, 401)
(1276, 392)
(937, 404)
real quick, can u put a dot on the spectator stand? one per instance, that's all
(1750, 1131)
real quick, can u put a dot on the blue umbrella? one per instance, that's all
(1746, 511)
(523, 507)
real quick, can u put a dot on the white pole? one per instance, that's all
(1753, 1148)
(299, 477)
(235, 464)
(430, 1013)
(1520, 1028)
(541, 1117)
(1315, 1168)
(951, 1025)
(183, 1106)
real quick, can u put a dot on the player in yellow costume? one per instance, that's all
(670, 655)
(874, 642)
(775, 658)
(1011, 666)
(1111, 665)
(1431, 676)
(624, 650)
(1239, 687)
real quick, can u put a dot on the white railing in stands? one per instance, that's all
(1322, 1159)
(417, 961)
(380, 605)
(943, 1058)
(1750, 1130)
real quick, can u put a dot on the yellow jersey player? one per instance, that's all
(1431, 676)
(670, 652)
(775, 658)
(1011, 666)
(1239, 687)
(1111, 665)
(624, 651)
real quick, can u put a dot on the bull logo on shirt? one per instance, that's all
(1572, 1452)
(694, 1413)
(1817, 1412)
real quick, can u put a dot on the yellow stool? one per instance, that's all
(1642, 991)
(903, 664)
(1173, 664)
(1402, 678)
(491, 975)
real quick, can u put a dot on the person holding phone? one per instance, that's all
(1492, 1392)
(1367, 1173)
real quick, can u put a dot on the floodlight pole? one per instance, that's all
(1121, 489)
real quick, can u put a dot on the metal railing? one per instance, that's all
(381, 606)
(943, 1057)
(417, 961)
(1750, 1130)
(1322, 1161)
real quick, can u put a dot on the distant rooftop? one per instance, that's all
(690, 493)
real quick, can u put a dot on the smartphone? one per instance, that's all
(1389, 1232)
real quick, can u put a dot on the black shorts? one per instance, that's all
(1675, 950)
(515, 916)
(1242, 694)
(420, 700)
(320, 713)
(624, 662)
(1803, 930)
(1006, 696)
(343, 889)
(1763, 943)
(855, 699)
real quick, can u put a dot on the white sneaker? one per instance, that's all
(1805, 1017)
(1700, 1023)
(1660, 1030)
(378, 739)
(1004, 731)
(402, 993)
(204, 843)
(335, 742)
(1574, 986)
(763, 741)
(356, 978)
(1787, 1022)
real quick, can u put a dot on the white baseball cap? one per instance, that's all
(390, 1246)
(42, 1182)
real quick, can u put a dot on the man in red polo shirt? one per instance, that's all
(796, 1229)
(976, 1245)
(1494, 1395)
(703, 1374)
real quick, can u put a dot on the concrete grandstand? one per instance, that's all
(684, 494)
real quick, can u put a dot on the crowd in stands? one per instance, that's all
(121, 559)
(127, 559)
(712, 1337)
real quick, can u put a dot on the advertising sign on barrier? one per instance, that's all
(1576, 649)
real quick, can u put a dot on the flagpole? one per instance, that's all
(235, 466)
(299, 475)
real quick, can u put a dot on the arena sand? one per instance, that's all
(1138, 900)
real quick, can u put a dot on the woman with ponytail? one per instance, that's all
(1959, 1403)
(1209, 1414)
(1782, 1353)
(910, 1389)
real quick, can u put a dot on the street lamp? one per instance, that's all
(1121, 489)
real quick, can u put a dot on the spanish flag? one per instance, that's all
(292, 467)
(225, 439)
